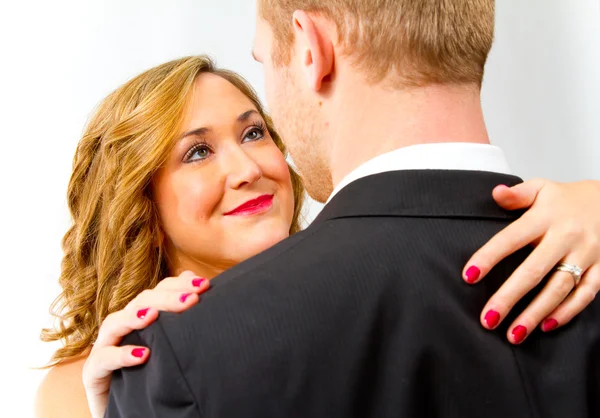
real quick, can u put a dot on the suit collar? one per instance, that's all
(421, 193)
(434, 156)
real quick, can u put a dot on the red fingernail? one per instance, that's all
(549, 324)
(472, 274)
(519, 333)
(138, 352)
(491, 319)
(142, 313)
(198, 282)
(184, 297)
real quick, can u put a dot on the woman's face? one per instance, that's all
(225, 193)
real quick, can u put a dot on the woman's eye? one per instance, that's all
(254, 135)
(200, 152)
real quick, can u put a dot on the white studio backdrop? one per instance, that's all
(59, 59)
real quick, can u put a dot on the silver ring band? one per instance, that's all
(575, 271)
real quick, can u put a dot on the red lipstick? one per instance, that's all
(254, 206)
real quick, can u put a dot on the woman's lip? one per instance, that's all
(251, 207)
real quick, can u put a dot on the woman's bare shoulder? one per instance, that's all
(62, 390)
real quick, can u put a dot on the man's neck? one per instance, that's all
(372, 121)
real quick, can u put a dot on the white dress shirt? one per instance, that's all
(438, 156)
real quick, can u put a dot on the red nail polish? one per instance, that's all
(142, 313)
(472, 274)
(549, 324)
(198, 282)
(491, 319)
(138, 352)
(519, 333)
(184, 297)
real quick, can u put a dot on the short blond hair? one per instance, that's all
(421, 41)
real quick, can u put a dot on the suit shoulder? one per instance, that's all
(333, 241)
(333, 255)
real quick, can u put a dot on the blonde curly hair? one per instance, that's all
(111, 253)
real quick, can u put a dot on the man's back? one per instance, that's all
(364, 314)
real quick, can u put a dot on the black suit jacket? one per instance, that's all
(365, 314)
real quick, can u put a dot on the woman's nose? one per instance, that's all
(243, 170)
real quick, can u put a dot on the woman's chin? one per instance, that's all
(254, 244)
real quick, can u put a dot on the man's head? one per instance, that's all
(315, 51)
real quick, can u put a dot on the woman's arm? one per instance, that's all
(62, 390)
(173, 294)
(80, 388)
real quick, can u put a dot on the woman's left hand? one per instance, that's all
(563, 224)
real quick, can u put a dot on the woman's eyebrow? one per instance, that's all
(198, 132)
(204, 130)
(244, 116)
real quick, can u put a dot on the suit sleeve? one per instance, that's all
(155, 389)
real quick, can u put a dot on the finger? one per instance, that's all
(103, 362)
(558, 287)
(141, 312)
(527, 276)
(198, 284)
(576, 302)
(117, 325)
(164, 300)
(187, 280)
(187, 276)
(521, 196)
(515, 236)
(195, 284)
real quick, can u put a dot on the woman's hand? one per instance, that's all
(563, 224)
(173, 294)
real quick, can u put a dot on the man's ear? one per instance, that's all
(315, 47)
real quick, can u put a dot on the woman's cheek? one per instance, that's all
(279, 172)
(198, 197)
(275, 167)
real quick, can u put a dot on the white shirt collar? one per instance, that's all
(438, 156)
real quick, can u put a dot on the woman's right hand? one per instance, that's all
(173, 294)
